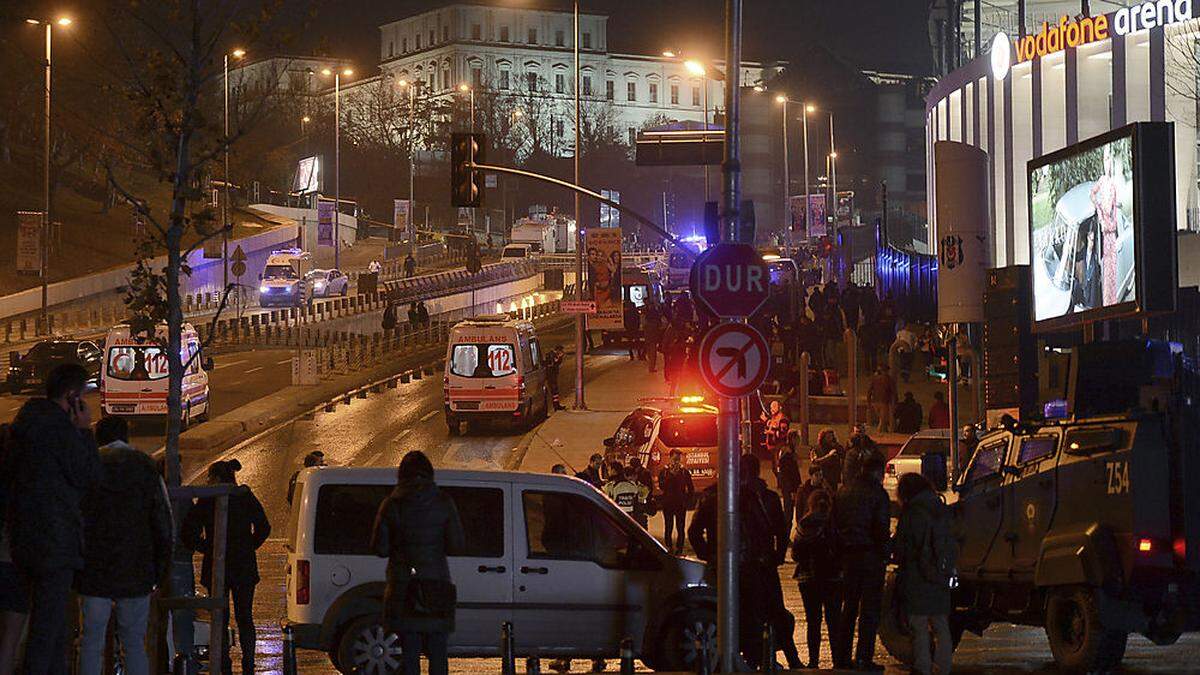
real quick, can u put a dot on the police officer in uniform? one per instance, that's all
(554, 361)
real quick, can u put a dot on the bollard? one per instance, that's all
(627, 656)
(768, 649)
(702, 667)
(289, 651)
(508, 662)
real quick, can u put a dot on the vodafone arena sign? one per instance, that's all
(734, 359)
(731, 280)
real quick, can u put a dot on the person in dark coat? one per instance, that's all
(814, 551)
(676, 492)
(246, 531)
(861, 512)
(410, 266)
(554, 361)
(862, 449)
(652, 331)
(923, 596)
(416, 528)
(128, 539)
(14, 597)
(829, 455)
(54, 463)
(593, 473)
(816, 481)
(787, 477)
(908, 415)
(632, 321)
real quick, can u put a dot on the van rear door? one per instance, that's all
(481, 374)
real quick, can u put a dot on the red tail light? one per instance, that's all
(303, 575)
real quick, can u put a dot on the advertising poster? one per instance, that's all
(29, 241)
(796, 213)
(604, 278)
(817, 214)
(401, 214)
(961, 206)
(324, 223)
(845, 208)
(1082, 231)
(308, 176)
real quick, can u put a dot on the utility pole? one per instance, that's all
(46, 188)
(728, 543)
(580, 403)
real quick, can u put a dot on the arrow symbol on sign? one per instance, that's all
(736, 356)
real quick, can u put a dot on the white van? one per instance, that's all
(494, 372)
(550, 554)
(517, 252)
(284, 279)
(133, 381)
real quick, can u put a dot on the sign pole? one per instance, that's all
(728, 543)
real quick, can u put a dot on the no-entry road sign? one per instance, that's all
(734, 359)
(731, 280)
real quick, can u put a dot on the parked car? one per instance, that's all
(908, 460)
(550, 554)
(31, 369)
(328, 283)
(662, 425)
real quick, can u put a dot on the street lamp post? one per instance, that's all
(696, 68)
(468, 89)
(787, 176)
(807, 212)
(580, 404)
(833, 168)
(237, 54)
(337, 160)
(412, 166)
(45, 234)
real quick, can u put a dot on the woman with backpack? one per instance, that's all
(923, 553)
(817, 569)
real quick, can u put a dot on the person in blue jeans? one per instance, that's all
(127, 549)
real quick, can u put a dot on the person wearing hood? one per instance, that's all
(416, 528)
(829, 455)
(814, 550)
(128, 539)
(247, 529)
(54, 463)
(924, 594)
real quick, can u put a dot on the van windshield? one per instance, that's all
(483, 360)
(279, 272)
(137, 363)
(689, 431)
(513, 252)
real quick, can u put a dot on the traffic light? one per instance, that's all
(466, 183)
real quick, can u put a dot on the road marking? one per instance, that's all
(402, 434)
(230, 363)
(429, 415)
(280, 363)
(254, 370)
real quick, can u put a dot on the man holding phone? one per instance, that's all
(55, 461)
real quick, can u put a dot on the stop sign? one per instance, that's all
(731, 280)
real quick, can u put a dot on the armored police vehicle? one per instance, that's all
(1088, 526)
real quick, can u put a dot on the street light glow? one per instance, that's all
(347, 72)
(833, 155)
(64, 21)
(463, 87)
(759, 88)
(780, 98)
(668, 53)
(306, 119)
(33, 22)
(238, 53)
(695, 67)
(326, 72)
(402, 83)
(810, 108)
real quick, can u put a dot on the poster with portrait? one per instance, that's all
(817, 215)
(29, 241)
(324, 223)
(604, 278)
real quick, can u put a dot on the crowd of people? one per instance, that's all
(87, 530)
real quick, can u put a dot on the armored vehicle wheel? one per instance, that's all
(1078, 638)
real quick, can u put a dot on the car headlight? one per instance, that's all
(319, 285)
(263, 288)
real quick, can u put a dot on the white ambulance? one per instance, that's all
(133, 381)
(283, 280)
(495, 372)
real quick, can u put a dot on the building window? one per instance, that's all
(608, 90)
(586, 40)
(531, 38)
(674, 94)
(445, 34)
(531, 81)
(587, 85)
(560, 83)
(654, 92)
(432, 41)
(560, 38)
(696, 96)
(404, 45)
(431, 87)
(391, 49)
(476, 31)
(418, 40)
(504, 79)
(445, 78)
(558, 128)
(504, 33)
(632, 136)
(631, 91)
(477, 77)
